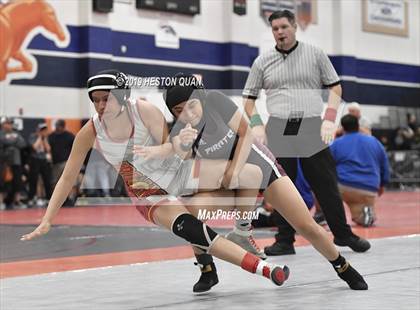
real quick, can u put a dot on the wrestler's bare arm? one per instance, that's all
(82, 144)
(155, 122)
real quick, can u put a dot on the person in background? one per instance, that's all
(365, 125)
(413, 125)
(60, 141)
(40, 164)
(405, 135)
(2, 173)
(412, 122)
(293, 73)
(362, 168)
(416, 140)
(385, 142)
(12, 143)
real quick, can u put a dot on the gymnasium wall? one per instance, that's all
(376, 69)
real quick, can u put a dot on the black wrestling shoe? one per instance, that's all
(277, 249)
(350, 275)
(354, 242)
(347, 273)
(208, 277)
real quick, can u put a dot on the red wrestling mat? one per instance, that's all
(92, 215)
(26, 268)
(394, 209)
(398, 214)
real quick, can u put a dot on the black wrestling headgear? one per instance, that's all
(110, 80)
(183, 88)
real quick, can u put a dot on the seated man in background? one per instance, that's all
(365, 127)
(362, 168)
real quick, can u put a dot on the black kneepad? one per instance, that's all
(194, 231)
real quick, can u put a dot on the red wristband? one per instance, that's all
(330, 114)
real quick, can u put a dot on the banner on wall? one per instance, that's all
(29, 19)
(305, 10)
(385, 16)
(239, 7)
(166, 37)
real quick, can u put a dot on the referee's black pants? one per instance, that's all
(319, 170)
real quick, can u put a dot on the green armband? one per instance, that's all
(255, 121)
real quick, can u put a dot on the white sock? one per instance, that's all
(260, 269)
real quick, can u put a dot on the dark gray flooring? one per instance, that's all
(64, 241)
(391, 267)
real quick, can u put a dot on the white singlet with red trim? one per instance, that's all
(171, 174)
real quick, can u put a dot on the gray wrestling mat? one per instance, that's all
(391, 267)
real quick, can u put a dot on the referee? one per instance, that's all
(293, 74)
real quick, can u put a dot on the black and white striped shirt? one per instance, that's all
(293, 80)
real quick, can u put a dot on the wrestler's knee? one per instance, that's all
(194, 231)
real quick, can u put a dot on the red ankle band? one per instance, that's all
(266, 272)
(250, 262)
